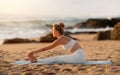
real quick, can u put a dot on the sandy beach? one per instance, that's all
(95, 50)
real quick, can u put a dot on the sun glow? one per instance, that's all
(70, 8)
(14, 7)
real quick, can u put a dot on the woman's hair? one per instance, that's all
(59, 27)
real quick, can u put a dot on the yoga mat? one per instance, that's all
(99, 62)
(23, 62)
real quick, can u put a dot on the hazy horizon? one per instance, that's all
(60, 8)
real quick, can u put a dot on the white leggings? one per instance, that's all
(76, 57)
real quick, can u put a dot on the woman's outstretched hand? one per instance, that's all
(32, 57)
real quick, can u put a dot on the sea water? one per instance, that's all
(30, 27)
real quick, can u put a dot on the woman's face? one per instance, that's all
(54, 32)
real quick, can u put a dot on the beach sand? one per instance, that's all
(95, 50)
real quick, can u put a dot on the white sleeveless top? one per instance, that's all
(69, 45)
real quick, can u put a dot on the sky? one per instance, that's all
(60, 8)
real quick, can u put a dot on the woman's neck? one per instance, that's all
(59, 36)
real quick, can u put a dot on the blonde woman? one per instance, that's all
(77, 53)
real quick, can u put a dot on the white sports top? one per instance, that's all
(69, 45)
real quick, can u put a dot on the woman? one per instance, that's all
(77, 56)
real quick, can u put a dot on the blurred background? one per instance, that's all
(31, 18)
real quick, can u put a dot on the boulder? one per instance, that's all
(17, 40)
(103, 35)
(69, 27)
(49, 25)
(114, 21)
(115, 34)
(98, 23)
(80, 25)
(48, 38)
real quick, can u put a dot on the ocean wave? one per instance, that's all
(88, 29)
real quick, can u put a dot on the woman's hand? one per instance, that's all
(32, 57)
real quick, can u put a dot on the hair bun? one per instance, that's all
(61, 24)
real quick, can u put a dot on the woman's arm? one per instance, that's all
(54, 44)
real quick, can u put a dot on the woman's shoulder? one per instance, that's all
(63, 39)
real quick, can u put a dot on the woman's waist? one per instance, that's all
(79, 52)
(74, 50)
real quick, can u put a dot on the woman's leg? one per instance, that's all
(71, 58)
(47, 60)
(77, 57)
(57, 59)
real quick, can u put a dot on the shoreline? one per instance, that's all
(72, 31)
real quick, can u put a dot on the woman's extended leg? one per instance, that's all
(57, 59)
(77, 57)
